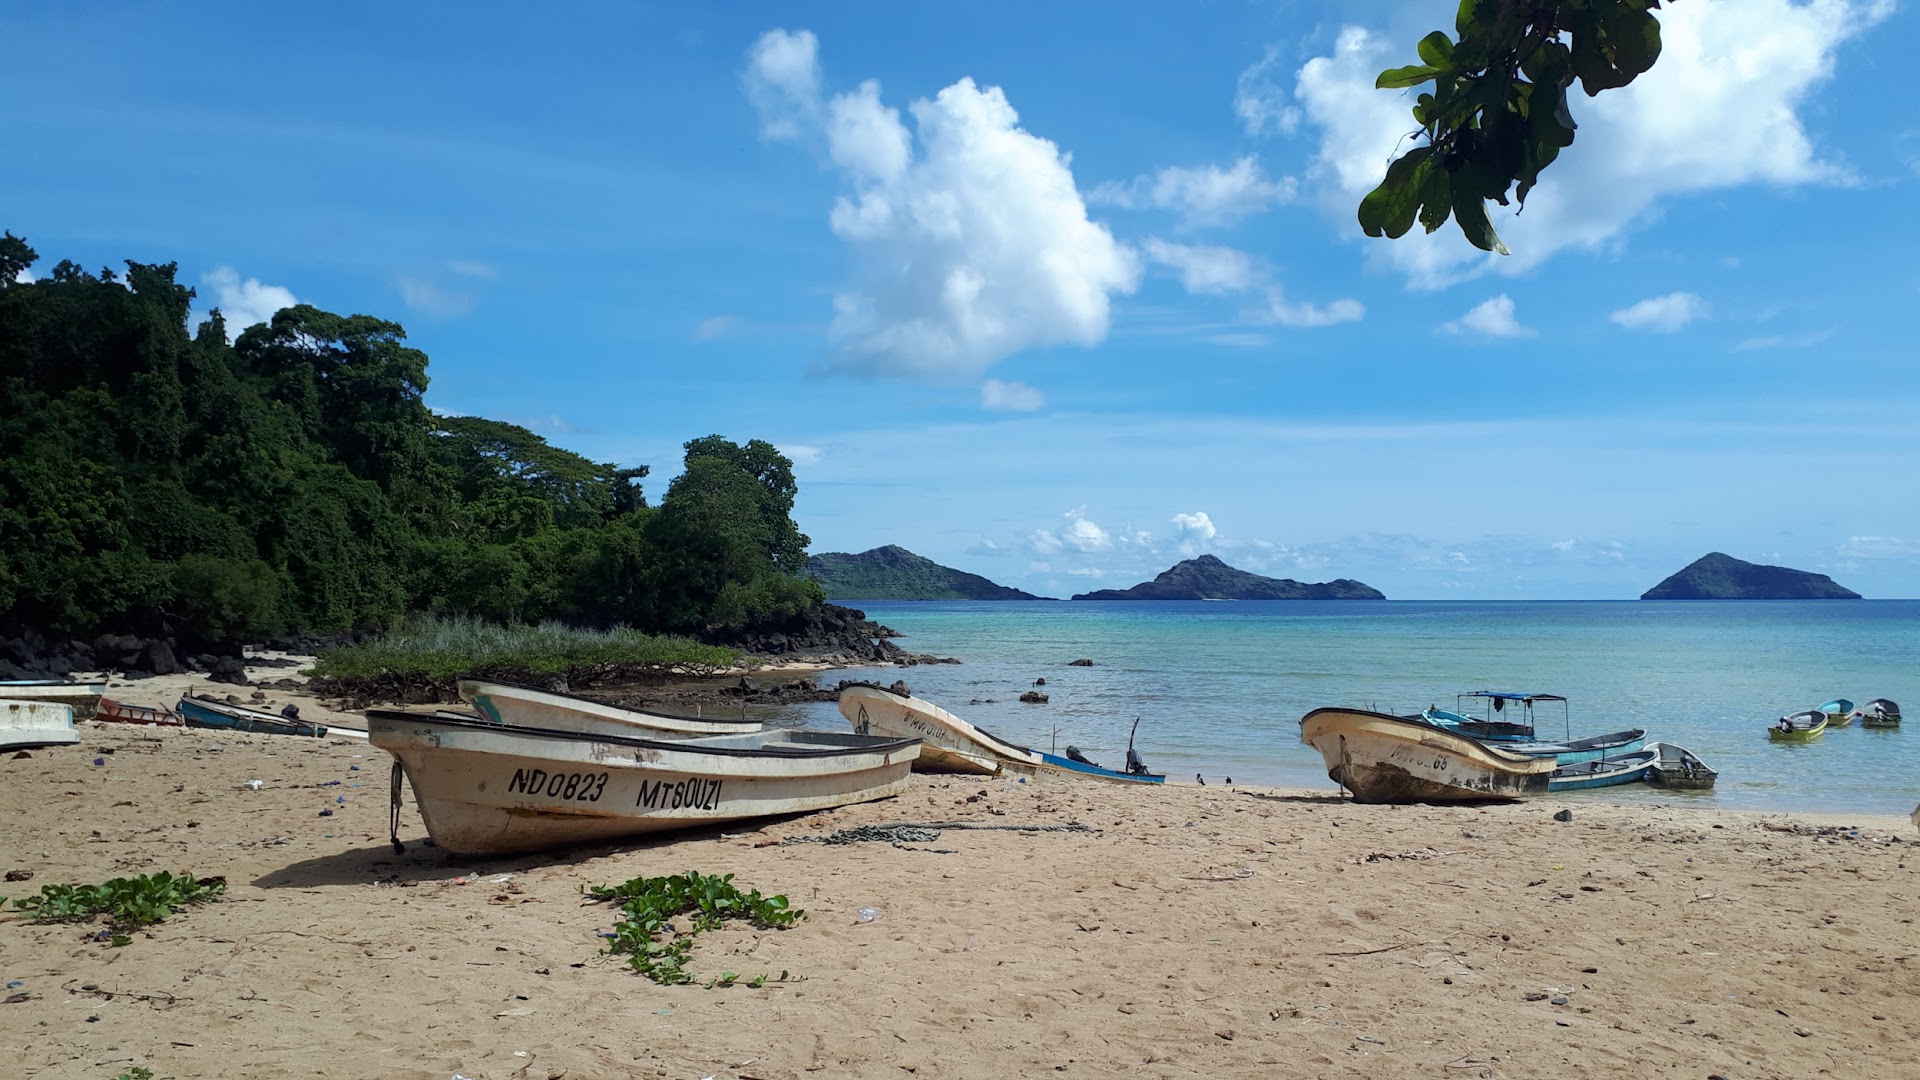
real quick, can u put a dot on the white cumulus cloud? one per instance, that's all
(1720, 109)
(1492, 318)
(1194, 532)
(1010, 396)
(1205, 195)
(1205, 269)
(970, 238)
(1661, 314)
(244, 302)
(783, 82)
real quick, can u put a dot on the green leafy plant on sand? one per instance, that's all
(647, 903)
(138, 1072)
(128, 903)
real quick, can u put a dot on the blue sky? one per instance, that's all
(1062, 296)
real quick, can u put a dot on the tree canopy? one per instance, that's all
(1497, 114)
(162, 481)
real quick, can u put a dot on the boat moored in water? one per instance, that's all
(487, 788)
(1391, 759)
(1679, 768)
(1517, 733)
(1602, 772)
(1880, 712)
(1839, 712)
(1803, 726)
(509, 703)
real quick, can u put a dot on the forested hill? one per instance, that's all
(161, 481)
(1717, 576)
(894, 573)
(1207, 578)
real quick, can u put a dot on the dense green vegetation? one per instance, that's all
(440, 650)
(894, 573)
(656, 949)
(172, 483)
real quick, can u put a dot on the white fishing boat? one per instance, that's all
(488, 788)
(1391, 759)
(508, 703)
(83, 696)
(28, 725)
(949, 744)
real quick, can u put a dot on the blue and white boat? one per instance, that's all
(1516, 734)
(207, 713)
(1631, 768)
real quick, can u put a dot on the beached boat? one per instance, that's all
(949, 744)
(119, 712)
(1603, 772)
(507, 703)
(1517, 732)
(83, 696)
(1391, 759)
(1803, 726)
(1880, 712)
(207, 713)
(488, 788)
(1839, 712)
(1679, 768)
(27, 725)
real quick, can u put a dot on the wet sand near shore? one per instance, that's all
(1194, 932)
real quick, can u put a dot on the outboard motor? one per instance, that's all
(1135, 766)
(291, 711)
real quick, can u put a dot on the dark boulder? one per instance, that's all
(227, 669)
(158, 659)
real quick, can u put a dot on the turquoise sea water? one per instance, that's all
(1220, 686)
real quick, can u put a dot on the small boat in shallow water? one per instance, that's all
(1803, 726)
(508, 703)
(1603, 772)
(29, 725)
(206, 713)
(1679, 768)
(83, 696)
(1391, 759)
(1839, 712)
(486, 788)
(1880, 712)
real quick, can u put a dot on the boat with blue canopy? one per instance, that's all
(1517, 734)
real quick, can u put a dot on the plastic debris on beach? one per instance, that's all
(866, 914)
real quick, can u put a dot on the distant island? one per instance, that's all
(1207, 578)
(1715, 576)
(894, 573)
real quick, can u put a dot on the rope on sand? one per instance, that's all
(901, 835)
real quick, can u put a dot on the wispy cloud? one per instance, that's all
(433, 301)
(1490, 318)
(1805, 340)
(801, 453)
(472, 268)
(716, 327)
(1203, 195)
(1260, 100)
(1661, 314)
(1010, 396)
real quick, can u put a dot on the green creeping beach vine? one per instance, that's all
(647, 903)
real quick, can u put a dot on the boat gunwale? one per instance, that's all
(966, 729)
(734, 720)
(678, 746)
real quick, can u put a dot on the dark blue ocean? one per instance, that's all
(1219, 687)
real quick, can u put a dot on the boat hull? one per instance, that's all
(1678, 768)
(1799, 734)
(84, 697)
(1386, 759)
(200, 713)
(1603, 772)
(948, 743)
(29, 725)
(116, 712)
(1055, 764)
(491, 789)
(525, 706)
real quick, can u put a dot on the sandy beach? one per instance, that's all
(1191, 932)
